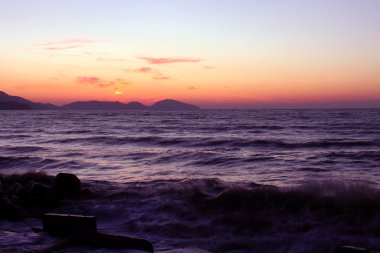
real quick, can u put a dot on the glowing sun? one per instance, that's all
(117, 92)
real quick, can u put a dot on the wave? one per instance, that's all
(23, 149)
(14, 136)
(243, 217)
(193, 141)
(23, 162)
(371, 155)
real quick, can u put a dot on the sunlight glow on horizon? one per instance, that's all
(218, 54)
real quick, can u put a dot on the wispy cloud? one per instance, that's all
(209, 67)
(67, 43)
(62, 47)
(88, 79)
(155, 75)
(98, 82)
(71, 41)
(105, 59)
(159, 76)
(153, 60)
(140, 70)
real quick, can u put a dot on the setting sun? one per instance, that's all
(118, 92)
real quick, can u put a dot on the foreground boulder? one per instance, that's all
(68, 184)
(33, 194)
(81, 230)
(66, 224)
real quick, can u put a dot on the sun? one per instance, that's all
(117, 92)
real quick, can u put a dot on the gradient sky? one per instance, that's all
(214, 53)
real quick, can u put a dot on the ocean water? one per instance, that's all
(217, 180)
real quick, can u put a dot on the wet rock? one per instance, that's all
(10, 210)
(66, 224)
(86, 192)
(116, 242)
(39, 189)
(2, 186)
(16, 188)
(68, 184)
(81, 230)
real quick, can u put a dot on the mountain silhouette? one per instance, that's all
(103, 105)
(8, 102)
(173, 105)
(18, 102)
(14, 106)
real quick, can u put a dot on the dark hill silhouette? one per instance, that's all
(136, 106)
(103, 105)
(4, 97)
(19, 103)
(14, 106)
(173, 105)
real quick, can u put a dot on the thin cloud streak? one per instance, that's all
(104, 59)
(160, 76)
(88, 79)
(156, 75)
(67, 43)
(140, 70)
(61, 48)
(118, 83)
(153, 60)
(71, 41)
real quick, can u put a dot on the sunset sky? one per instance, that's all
(213, 53)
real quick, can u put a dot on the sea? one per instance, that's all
(209, 180)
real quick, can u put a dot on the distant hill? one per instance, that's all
(14, 106)
(4, 97)
(167, 104)
(8, 102)
(173, 105)
(136, 106)
(103, 105)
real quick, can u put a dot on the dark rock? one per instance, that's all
(68, 184)
(351, 249)
(86, 192)
(16, 188)
(81, 230)
(10, 210)
(66, 224)
(42, 196)
(116, 242)
(2, 186)
(39, 189)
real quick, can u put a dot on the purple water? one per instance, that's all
(195, 179)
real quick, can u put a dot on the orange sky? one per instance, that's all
(245, 54)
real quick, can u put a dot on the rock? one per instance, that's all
(86, 192)
(81, 230)
(351, 249)
(16, 188)
(2, 186)
(116, 242)
(10, 210)
(68, 225)
(68, 184)
(39, 189)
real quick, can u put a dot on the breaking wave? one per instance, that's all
(242, 217)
